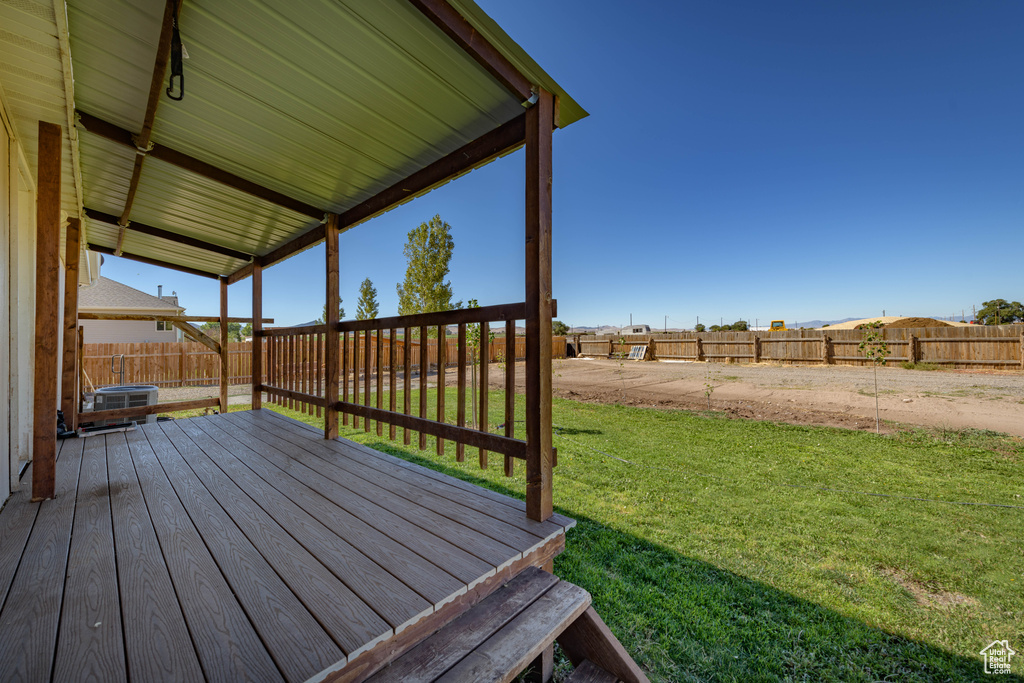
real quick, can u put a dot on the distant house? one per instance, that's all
(108, 296)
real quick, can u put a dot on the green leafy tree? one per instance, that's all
(699, 327)
(246, 330)
(428, 251)
(739, 326)
(558, 328)
(323, 316)
(876, 350)
(213, 330)
(1000, 311)
(366, 307)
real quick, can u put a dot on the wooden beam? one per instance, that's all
(167, 318)
(501, 140)
(224, 378)
(163, 54)
(139, 411)
(446, 18)
(538, 309)
(152, 261)
(333, 298)
(168, 235)
(198, 335)
(69, 370)
(257, 338)
(47, 331)
(241, 273)
(114, 133)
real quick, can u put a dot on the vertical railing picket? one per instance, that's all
(424, 371)
(460, 418)
(442, 348)
(484, 352)
(392, 377)
(510, 389)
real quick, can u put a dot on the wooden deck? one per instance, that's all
(245, 547)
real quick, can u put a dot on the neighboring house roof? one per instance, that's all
(108, 295)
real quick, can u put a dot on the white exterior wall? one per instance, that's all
(118, 331)
(17, 307)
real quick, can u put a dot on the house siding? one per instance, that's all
(126, 331)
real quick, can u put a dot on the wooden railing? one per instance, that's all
(393, 373)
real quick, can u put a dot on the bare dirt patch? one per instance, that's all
(925, 595)
(834, 396)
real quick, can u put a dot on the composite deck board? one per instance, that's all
(389, 597)
(468, 491)
(162, 650)
(292, 636)
(344, 486)
(341, 610)
(90, 646)
(236, 547)
(440, 652)
(479, 534)
(228, 646)
(16, 519)
(30, 617)
(429, 565)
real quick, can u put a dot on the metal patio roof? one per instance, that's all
(325, 103)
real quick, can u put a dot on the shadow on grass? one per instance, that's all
(572, 431)
(685, 619)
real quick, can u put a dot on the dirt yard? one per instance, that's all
(838, 396)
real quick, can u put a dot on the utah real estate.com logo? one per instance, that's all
(997, 657)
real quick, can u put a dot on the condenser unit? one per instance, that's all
(130, 396)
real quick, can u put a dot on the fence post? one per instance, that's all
(826, 349)
(700, 349)
(1022, 349)
(757, 349)
(913, 350)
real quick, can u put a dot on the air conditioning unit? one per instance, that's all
(125, 396)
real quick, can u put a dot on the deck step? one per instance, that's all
(588, 672)
(588, 639)
(499, 637)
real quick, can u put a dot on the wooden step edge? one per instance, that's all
(444, 648)
(511, 649)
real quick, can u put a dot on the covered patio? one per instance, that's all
(248, 546)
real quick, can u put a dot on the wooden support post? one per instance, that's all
(757, 349)
(913, 349)
(542, 668)
(331, 349)
(181, 363)
(224, 345)
(69, 371)
(44, 426)
(539, 122)
(700, 349)
(824, 348)
(257, 335)
(1022, 349)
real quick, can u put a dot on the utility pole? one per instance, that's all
(631, 320)
(666, 324)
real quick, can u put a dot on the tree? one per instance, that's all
(739, 326)
(1000, 311)
(876, 350)
(427, 251)
(558, 328)
(341, 313)
(246, 330)
(699, 327)
(366, 307)
(213, 330)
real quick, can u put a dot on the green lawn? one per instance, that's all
(738, 550)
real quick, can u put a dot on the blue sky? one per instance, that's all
(754, 160)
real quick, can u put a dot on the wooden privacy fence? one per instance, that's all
(992, 346)
(178, 364)
(165, 364)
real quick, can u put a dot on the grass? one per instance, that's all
(739, 550)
